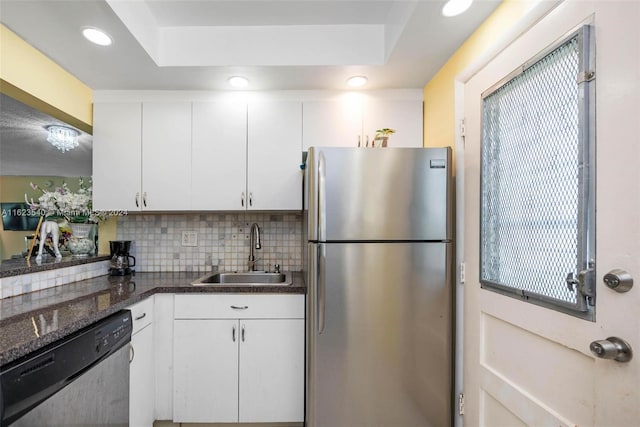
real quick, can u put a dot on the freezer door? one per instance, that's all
(379, 194)
(379, 335)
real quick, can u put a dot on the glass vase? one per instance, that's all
(82, 240)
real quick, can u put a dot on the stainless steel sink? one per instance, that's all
(248, 278)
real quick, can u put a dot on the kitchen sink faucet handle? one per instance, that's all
(276, 268)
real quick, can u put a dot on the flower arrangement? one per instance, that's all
(63, 203)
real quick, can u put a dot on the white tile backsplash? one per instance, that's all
(223, 244)
(222, 240)
(25, 283)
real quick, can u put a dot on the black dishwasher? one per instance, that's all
(81, 380)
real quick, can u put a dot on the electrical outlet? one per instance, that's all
(189, 238)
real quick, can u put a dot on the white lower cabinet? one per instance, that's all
(141, 382)
(238, 358)
(271, 370)
(163, 355)
(141, 367)
(205, 385)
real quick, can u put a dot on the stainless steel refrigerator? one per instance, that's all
(379, 301)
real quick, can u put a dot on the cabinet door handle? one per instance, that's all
(242, 200)
(144, 199)
(233, 333)
(142, 316)
(242, 333)
(250, 199)
(239, 307)
(137, 200)
(132, 353)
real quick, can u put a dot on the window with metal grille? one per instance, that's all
(538, 186)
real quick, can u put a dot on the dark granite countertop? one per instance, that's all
(34, 320)
(17, 266)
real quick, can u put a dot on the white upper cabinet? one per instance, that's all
(117, 155)
(161, 151)
(404, 116)
(166, 156)
(274, 177)
(352, 121)
(332, 123)
(142, 156)
(219, 156)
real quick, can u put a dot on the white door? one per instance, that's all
(403, 116)
(528, 365)
(166, 156)
(271, 373)
(274, 177)
(141, 379)
(205, 370)
(332, 123)
(219, 156)
(117, 139)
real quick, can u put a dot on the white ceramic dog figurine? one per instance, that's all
(46, 228)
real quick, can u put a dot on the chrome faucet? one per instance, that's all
(254, 243)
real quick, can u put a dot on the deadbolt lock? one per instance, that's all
(612, 348)
(618, 280)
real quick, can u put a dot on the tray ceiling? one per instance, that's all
(278, 45)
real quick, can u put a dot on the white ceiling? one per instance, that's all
(278, 45)
(199, 44)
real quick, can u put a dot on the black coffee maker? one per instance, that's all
(121, 261)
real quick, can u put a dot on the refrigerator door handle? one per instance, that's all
(322, 198)
(321, 286)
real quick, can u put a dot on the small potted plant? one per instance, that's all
(382, 135)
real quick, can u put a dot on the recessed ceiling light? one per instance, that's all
(96, 36)
(455, 7)
(357, 81)
(238, 81)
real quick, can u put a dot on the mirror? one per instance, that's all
(26, 156)
(24, 150)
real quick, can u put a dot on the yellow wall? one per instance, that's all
(28, 69)
(439, 126)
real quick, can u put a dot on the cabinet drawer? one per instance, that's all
(239, 306)
(142, 314)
